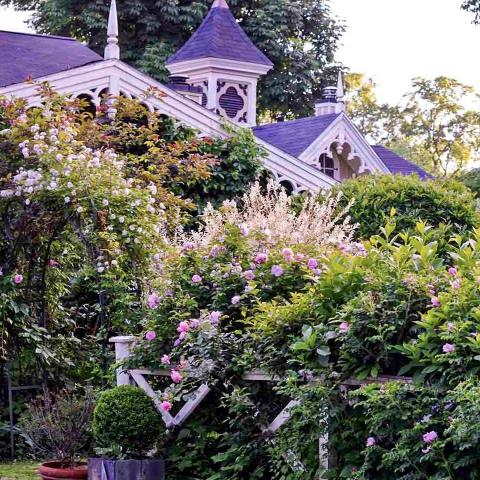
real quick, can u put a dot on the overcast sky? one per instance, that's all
(391, 41)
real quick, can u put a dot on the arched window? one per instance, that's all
(88, 105)
(327, 165)
(288, 186)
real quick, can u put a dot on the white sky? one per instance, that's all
(391, 41)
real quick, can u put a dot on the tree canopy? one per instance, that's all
(300, 37)
(436, 124)
(474, 7)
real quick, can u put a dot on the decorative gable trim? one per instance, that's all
(122, 78)
(342, 131)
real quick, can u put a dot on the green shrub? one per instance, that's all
(436, 202)
(472, 180)
(125, 420)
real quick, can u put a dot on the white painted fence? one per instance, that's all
(123, 347)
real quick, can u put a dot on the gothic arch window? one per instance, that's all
(326, 164)
(288, 186)
(88, 104)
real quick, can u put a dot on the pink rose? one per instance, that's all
(166, 406)
(430, 437)
(18, 279)
(235, 300)
(371, 442)
(151, 335)
(153, 300)
(344, 327)
(448, 348)
(165, 360)
(176, 376)
(183, 327)
(277, 271)
(435, 302)
(249, 275)
(453, 271)
(215, 317)
(197, 279)
(261, 258)
(312, 264)
(288, 254)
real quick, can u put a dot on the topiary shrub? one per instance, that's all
(435, 201)
(125, 421)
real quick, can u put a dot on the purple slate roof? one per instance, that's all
(295, 136)
(220, 36)
(397, 164)
(25, 55)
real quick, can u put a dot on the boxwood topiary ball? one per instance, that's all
(126, 417)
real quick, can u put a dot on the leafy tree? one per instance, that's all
(300, 37)
(433, 126)
(363, 106)
(474, 7)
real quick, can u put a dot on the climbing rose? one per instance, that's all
(450, 327)
(183, 327)
(18, 279)
(456, 284)
(371, 442)
(288, 254)
(277, 271)
(165, 360)
(249, 275)
(452, 271)
(430, 437)
(153, 300)
(235, 300)
(166, 406)
(261, 258)
(435, 301)
(312, 264)
(176, 376)
(151, 335)
(196, 279)
(448, 348)
(215, 317)
(344, 327)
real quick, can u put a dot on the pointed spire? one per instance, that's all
(340, 88)
(220, 4)
(340, 94)
(112, 50)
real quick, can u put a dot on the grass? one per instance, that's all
(19, 471)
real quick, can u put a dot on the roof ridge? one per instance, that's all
(313, 117)
(58, 37)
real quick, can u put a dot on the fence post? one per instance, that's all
(123, 347)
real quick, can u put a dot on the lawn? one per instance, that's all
(18, 471)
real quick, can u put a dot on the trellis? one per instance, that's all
(123, 347)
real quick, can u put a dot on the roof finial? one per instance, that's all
(340, 94)
(112, 50)
(220, 4)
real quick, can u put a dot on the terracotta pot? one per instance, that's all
(62, 471)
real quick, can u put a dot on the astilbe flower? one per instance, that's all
(269, 219)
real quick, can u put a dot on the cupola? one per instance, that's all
(221, 60)
(332, 100)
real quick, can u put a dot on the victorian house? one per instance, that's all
(214, 79)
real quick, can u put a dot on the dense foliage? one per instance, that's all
(299, 37)
(376, 199)
(323, 315)
(125, 422)
(85, 204)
